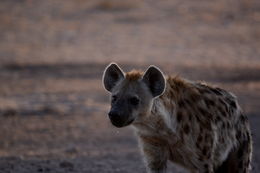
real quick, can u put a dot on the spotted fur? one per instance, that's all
(194, 125)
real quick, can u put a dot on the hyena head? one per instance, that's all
(132, 93)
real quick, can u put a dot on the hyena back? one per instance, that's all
(196, 126)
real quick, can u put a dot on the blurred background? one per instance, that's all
(53, 108)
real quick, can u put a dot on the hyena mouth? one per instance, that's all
(120, 123)
(130, 121)
(117, 124)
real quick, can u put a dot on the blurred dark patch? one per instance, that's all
(90, 70)
(95, 70)
(221, 74)
(84, 14)
(227, 18)
(72, 150)
(8, 112)
(66, 165)
(116, 5)
(133, 20)
(62, 103)
(45, 110)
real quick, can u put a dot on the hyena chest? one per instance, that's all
(181, 154)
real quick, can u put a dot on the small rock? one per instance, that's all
(40, 170)
(66, 164)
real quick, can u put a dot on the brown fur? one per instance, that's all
(195, 125)
(133, 75)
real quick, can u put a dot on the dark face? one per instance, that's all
(129, 100)
(123, 109)
(132, 94)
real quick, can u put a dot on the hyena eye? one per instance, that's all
(134, 101)
(114, 98)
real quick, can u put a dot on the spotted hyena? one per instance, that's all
(194, 125)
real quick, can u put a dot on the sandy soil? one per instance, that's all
(52, 104)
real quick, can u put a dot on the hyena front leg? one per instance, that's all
(239, 159)
(155, 157)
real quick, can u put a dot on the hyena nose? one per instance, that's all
(116, 119)
(113, 115)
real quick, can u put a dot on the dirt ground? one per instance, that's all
(53, 108)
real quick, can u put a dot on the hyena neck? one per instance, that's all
(160, 120)
(162, 117)
(165, 110)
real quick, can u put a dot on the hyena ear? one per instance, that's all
(154, 79)
(111, 76)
